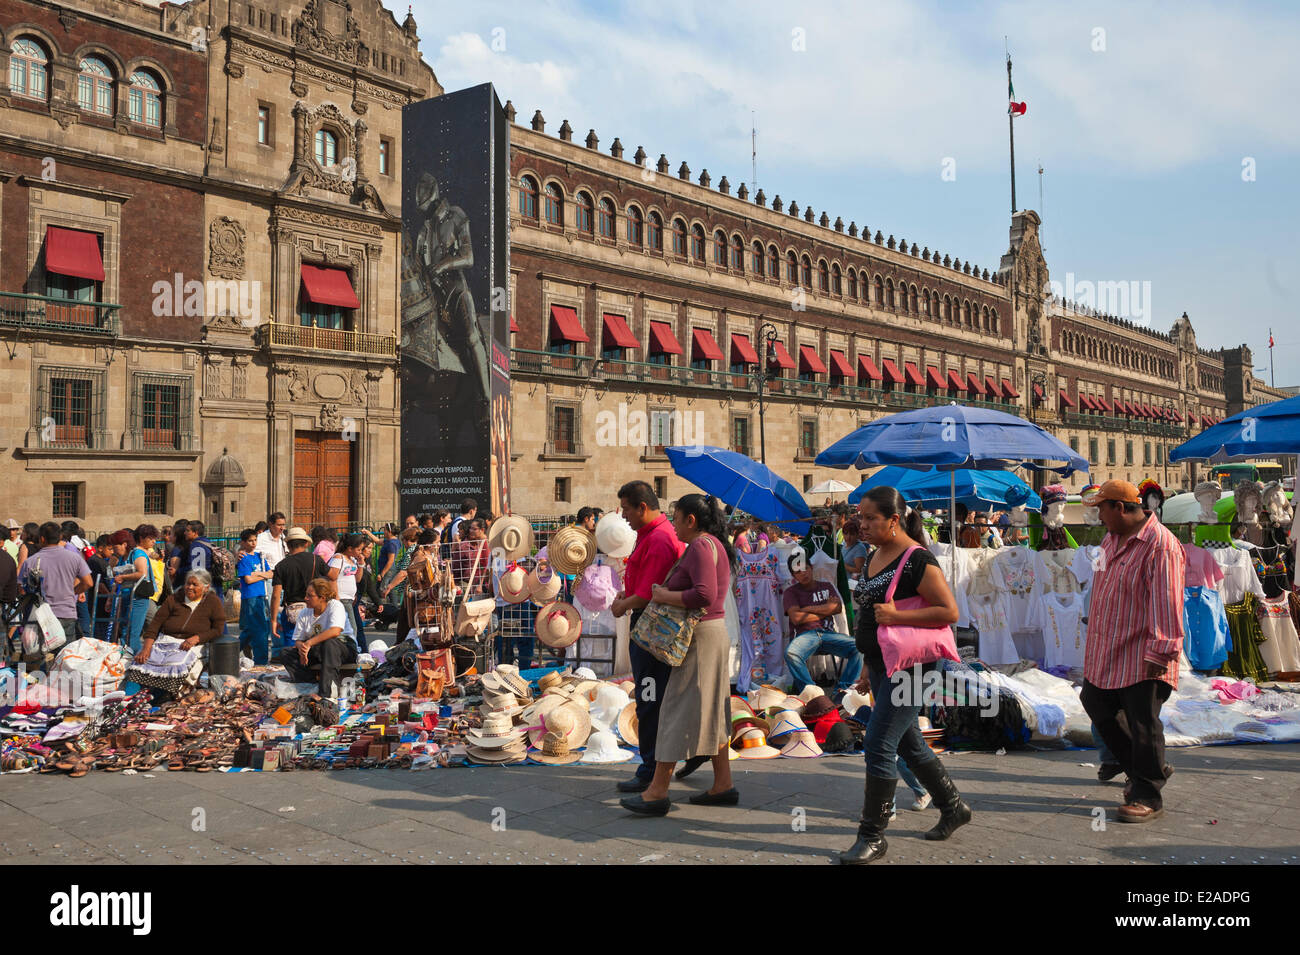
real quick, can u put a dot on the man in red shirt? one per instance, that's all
(657, 550)
(1135, 637)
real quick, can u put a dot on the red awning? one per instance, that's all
(1087, 402)
(662, 339)
(1132, 409)
(703, 345)
(1206, 422)
(565, 325)
(783, 358)
(1007, 390)
(1178, 416)
(932, 377)
(740, 346)
(867, 369)
(840, 364)
(326, 286)
(1104, 404)
(973, 384)
(809, 360)
(891, 371)
(914, 375)
(616, 334)
(1066, 399)
(74, 252)
(954, 381)
(994, 390)
(514, 327)
(1038, 392)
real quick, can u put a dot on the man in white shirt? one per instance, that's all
(271, 543)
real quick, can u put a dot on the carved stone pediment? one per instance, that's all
(328, 28)
(226, 240)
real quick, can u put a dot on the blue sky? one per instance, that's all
(1141, 115)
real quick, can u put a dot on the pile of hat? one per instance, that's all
(499, 739)
(771, 716)
(572, 549)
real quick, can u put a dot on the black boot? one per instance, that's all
(953, 811)
(877, 800)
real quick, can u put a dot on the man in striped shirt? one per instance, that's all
(1135, 638)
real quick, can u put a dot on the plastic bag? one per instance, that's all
(99, 666)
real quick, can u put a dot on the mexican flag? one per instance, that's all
(1015, 109)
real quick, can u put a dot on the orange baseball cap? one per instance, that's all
(1121, 491)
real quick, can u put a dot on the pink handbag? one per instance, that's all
(903, 646)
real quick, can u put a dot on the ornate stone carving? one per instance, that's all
(359, 107)
(295, 384)
(329, 386)
(68, 19)
(213, 378)
(226, 248)
(298, 88)
(327, 27)
(239, 378)
(218, 137)
(331, 419)
(235, 70)
(357, 387)
(294, 214)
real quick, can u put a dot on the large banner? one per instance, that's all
(455, 313)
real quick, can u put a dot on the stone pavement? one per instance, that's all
(1225, 805)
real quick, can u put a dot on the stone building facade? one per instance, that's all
(234, 169)
(644, 299)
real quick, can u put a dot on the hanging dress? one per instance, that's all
(1244, 659)
(1064, 632)
(990, 616)
(1281, 646)
(758, 590)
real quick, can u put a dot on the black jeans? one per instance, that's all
(1128, 720)
(329, 656)
(651, 678)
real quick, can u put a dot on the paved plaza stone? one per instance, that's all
(1233, 805)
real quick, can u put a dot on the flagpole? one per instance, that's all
(1011, 131)
(1272, 376)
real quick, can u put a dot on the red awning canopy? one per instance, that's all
(616, 334)
(1038, 392)
(514, 327)
(891, 371)
(1066, 399)
(1104, 404)
(809, 360)
(783, 358)
(1178, 416)
(954, 381)
(867, 369)
(740, 346)
(932, 377)
(703, 345)
(662, 339)
(994, 390)
(75, 253)
(840, 364)
(326, 286)
(1007, 390)
(1087, 402)
(1206, 422)
(914, 375)
(973, 384)
(565, 325)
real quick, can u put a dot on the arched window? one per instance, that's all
(880, 292)
(720, 249)
(327, 148)
(554, 204)
(912, 302)
(737, 253)
(758, 266)
(635, 227)
(889, 293)
(95, 86)
(853, 284)
(994, 317)
(965, 314)
(528, 197)
(823, 276)
(791, 268)
(805, 272)
(585, 208)
(679, 237)
(925, 301)
(29, 69)
(655, 232)
(773, 262)
(697, 243)
(145, 105)
(984, 318)
(606, 219)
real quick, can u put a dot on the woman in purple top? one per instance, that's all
(693, 715)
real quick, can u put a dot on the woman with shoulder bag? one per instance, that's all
(693, 719)
(139, 581)
(900, 569)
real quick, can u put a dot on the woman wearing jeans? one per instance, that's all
(130, 581)
(892, 527)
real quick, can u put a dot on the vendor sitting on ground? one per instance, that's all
(194, 615)
(810, 604)
(323, 637)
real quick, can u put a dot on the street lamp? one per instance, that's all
(1040, 379)
(769, 334)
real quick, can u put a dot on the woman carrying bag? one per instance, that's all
(138, 584)
(905, 613)
(693, 719)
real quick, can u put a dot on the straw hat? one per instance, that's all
(543, 583)
(555, 750)
(597, 588)
(567, 719)
(628, 687)
(627, 725)
(614, 535)
(497, 731)
(809, 691)
(764, 696)
(297, 534)
(740, 721)
(751, 743)
(532, 713)
(791, 703)
(512, 586)
(602, 747)
(607, 702)
(559, 624)
(547, 680)
(572, 549)
(738, 704)
(787, 722)
(801, 744)
(513, 753)
(854, 701)
(511, 534)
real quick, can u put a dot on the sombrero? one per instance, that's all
(627, 726)
(764, 696)
(809, 691)
(602, 747)
(787, 722)
(738, 704)
(571, 550)
(555, 750)
(547, 680)
(801, 744)
(607, 702)
(742, 720)
(569, 720)
(543, 583)
(514, 753)
(496, 732)
(559, 624)
(751, 743)
(512, 536)
(614, 535)
(512, 586)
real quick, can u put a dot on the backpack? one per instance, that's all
(223, 565)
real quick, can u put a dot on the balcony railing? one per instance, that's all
(44, 313)
(1161, 429)
(331, 339)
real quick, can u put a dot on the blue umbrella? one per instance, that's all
(1273, 428)
(933, 488)
(743, 483)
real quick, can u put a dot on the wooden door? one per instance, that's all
(322, 479)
